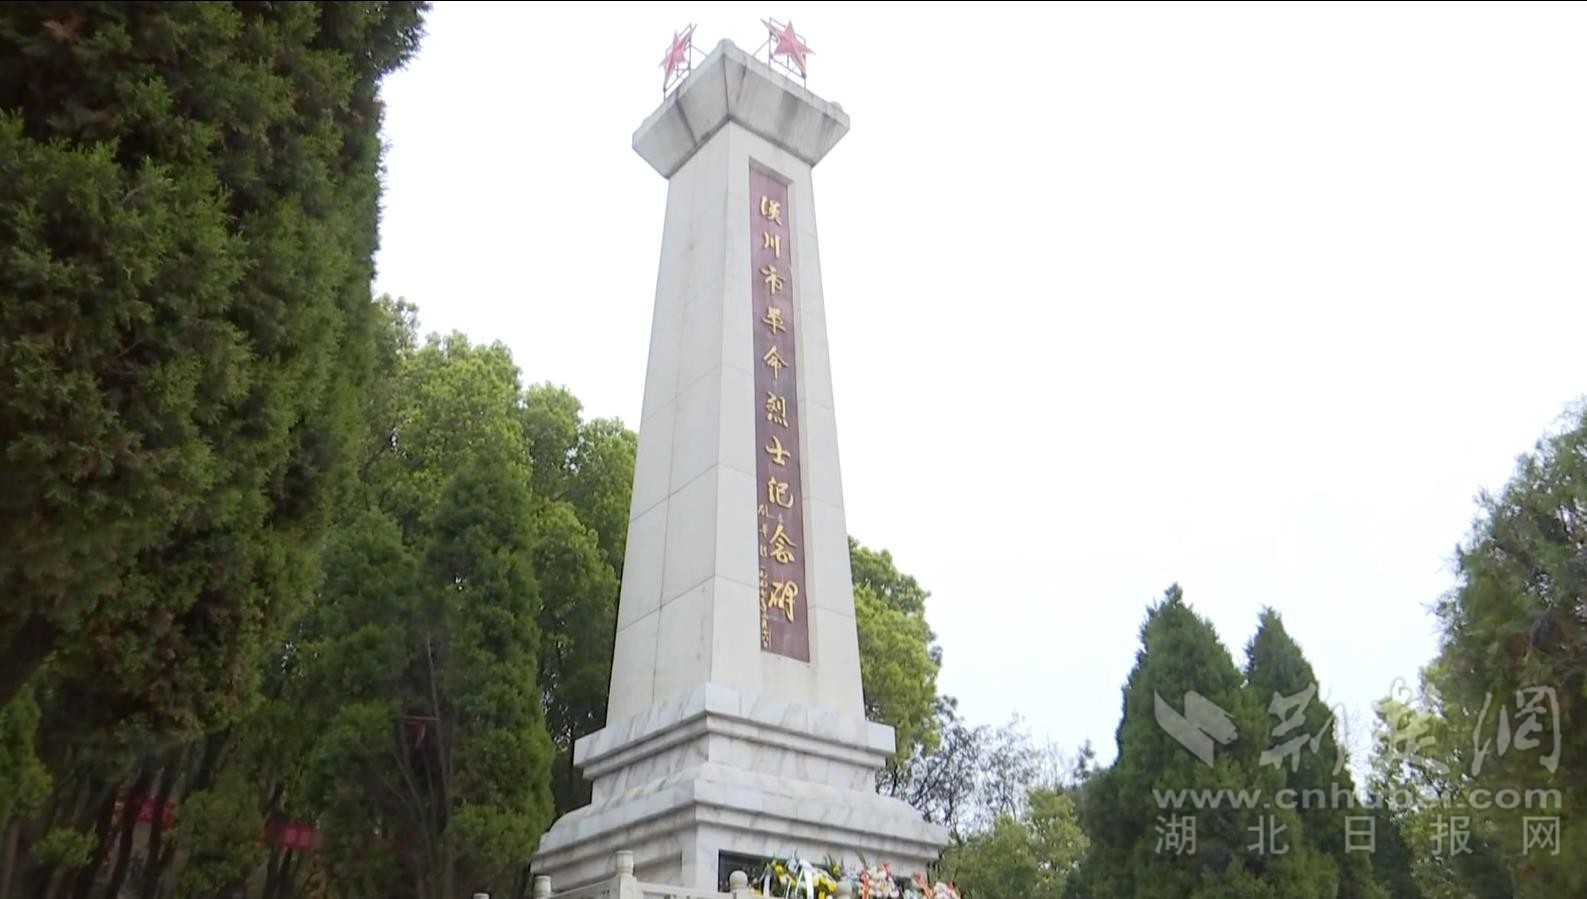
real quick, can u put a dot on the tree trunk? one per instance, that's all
(273, 866)
(129, 823)
(281, 874)
(9, 862)
(296, 879)
(154, 868)
(29, 647)
(208, 761)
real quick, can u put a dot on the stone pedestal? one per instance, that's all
(736, 723)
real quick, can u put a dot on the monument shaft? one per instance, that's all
(735, 725)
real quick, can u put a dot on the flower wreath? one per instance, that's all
(798, 878)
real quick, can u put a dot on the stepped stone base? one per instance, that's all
(715, 771)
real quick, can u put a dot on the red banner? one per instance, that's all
(298, 835)
(144, 808)
(784, 622)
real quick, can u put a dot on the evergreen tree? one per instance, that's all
(188, 207)
(1303, 747)
(1429, 843)
(1511, 676)
(1140, 814)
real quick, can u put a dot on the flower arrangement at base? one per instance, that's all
(797, 878)
(923, 890)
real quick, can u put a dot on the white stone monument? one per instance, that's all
(735, 723)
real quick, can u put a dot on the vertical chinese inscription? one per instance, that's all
(779, 520)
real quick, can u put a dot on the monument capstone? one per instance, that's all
(736, 725)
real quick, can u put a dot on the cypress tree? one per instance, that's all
(1303, 749)
(1511, 675)
(1141, 842)
(188, 209)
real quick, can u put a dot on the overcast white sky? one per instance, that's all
(1251, 298)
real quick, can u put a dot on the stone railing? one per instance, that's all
(623, 885)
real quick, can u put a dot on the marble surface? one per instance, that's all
(692, 547)
(731, 86)
(716, 768)
(675, 825)
(711, 743)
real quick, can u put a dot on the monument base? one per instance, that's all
(716, 772)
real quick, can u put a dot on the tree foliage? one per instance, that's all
(188, 206)
(1510, 681)
(1126, 815)
(427, 642)
(899, 658)
(583, 472)
(1303, 745)
(1428, 844)
(1030, 855)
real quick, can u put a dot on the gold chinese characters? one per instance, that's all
(780, 596)
(774, 361)
(781, 546)
(779, 516)
(773, 320)
(773, 278)
(779, 456)
(779, 493)
(776, 409)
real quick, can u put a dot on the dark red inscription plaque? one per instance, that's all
(784, 604)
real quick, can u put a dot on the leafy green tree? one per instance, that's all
(875, 571)
(899, 658)
(1511, 674)
(551, 417)
(1433, 845)
(24, 781)
(1303, 746)
(578, 614)
(491, 753)
(433, 767)
(1026, 856)
(188, 210)
(219, 831)
(1130, 808)
(603, 466)
(583, 475)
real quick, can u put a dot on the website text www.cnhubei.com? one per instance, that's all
(1340, 797)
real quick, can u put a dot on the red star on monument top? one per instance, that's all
(789, 44)
(678, 53)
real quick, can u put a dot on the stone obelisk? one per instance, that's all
(736, 727)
